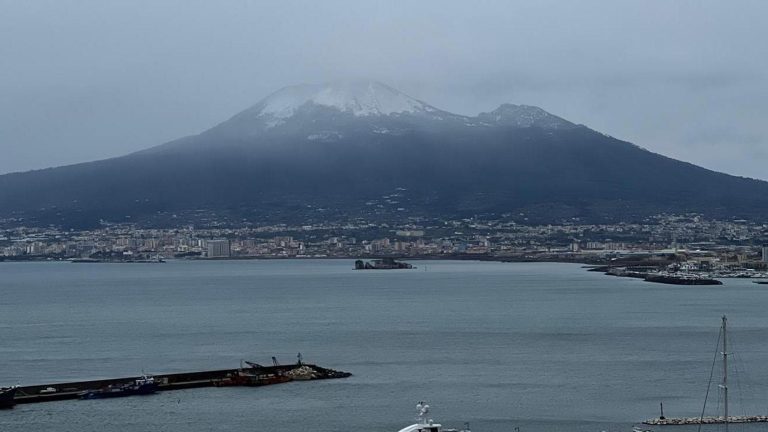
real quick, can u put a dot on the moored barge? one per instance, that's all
(141, 386)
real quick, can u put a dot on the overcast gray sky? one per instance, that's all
(85, 80)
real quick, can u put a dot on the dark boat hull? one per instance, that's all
(252, 380)
(7, 398)
(120, 392)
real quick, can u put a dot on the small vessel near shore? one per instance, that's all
(253, 376)
(426, 424)
(145, 385)
(7, 397)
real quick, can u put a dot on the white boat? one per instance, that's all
(426, 424)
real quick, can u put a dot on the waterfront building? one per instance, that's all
(575, 247)
(218, 248)
(765, 253)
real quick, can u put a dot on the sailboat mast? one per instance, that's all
(725, 371)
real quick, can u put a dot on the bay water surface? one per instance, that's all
(539, 346)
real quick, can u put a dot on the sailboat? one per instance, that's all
(726, 418)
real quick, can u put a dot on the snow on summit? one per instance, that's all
(357, 98)
(368, 101)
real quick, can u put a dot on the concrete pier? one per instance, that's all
(260, 375)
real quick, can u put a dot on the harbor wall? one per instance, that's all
(175, 381)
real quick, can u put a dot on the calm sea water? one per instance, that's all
(542, 347)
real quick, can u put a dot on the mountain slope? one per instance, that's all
(365, 150)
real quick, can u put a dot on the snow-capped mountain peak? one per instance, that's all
(325, 112)
(364, 98)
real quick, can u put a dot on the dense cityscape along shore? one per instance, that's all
(687, 242)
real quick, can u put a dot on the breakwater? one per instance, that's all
(250, 376)
(681, 421)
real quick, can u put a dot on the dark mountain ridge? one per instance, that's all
(329, 153)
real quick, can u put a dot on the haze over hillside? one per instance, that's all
(362, 149)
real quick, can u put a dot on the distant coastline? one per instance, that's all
(442, 257)
(660, 268)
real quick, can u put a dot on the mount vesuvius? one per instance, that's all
(363, 149)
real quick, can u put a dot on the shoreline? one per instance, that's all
(604, 266)
(458, 257)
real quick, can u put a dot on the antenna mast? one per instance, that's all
(725, 371)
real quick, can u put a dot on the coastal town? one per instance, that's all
(689, 242)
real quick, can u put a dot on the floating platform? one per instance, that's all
(259, 375)
(682, 421)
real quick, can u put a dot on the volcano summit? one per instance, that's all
(365, 150)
